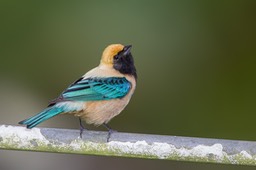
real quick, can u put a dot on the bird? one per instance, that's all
(99, 95)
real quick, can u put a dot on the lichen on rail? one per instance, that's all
(128, 145)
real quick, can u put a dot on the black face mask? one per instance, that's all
(123, 62)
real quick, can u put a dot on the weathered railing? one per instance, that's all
(128, 145)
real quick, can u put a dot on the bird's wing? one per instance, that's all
(91, 89)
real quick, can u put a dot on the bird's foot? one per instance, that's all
(110, 131)
(81, 132)
(81, 127)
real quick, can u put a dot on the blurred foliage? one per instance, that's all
(196, 62)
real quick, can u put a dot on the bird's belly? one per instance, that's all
(99, 112)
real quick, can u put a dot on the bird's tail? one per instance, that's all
(42, 116)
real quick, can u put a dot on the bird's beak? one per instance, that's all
(127, 49)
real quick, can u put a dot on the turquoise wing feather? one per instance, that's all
(92, 89)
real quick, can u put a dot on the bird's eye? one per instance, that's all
(116, 57)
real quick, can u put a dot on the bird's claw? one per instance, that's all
(82, 128)
(81, 132)
(110, 131)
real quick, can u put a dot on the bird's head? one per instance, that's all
(120, 58)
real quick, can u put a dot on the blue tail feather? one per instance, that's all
(42, 116)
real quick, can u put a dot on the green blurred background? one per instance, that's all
(196, 63)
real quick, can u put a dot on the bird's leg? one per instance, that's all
(82, 128)
(110, 130)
